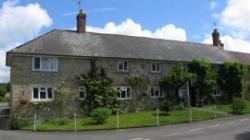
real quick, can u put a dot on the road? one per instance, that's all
(233, 128)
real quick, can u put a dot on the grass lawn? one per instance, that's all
(130, 120)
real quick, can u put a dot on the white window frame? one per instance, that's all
(82, 89)
(50, 61)
(217, 90)
(124, 88)
(160, 93)
(123, 65)
(47, 99)
(157, 65)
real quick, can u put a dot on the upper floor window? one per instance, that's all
(123, 66)
(82, 93)
(42, 94)
(156, 92)
(124, 93)
(45, 63)
(156, 67)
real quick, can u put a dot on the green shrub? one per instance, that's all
(18, 123)
(165, 106)
(238, 106)
(179, 107)
(100, 115)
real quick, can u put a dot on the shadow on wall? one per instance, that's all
(243, 136)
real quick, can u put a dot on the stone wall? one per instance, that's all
(23, 78)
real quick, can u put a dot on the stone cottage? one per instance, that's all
(40, 66)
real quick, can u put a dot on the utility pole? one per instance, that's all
(189, 104)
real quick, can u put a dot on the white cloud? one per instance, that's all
(236, 17)
(231, 43)
(129, 27)
(235, 20)
(17, 24)
(213, 5)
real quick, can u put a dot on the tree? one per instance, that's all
(173, 80)
(205, 77)
(98, 88)
(232, 79)
(3, 90)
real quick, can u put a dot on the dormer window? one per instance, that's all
(123, 66)
(156, 67)
(45, 63)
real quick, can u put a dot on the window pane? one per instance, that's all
(37, 63)
(125, 65)
(82, 94)
(50, 93)
(153, 67)
(120, 66)
(158, 67)
(53, 64)
(35, 93)
(128, 93)
(45, 63)
(42, 95)
(123, 94)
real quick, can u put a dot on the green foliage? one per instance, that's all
(140, 83)
(98, 87)
(3, 90)
(63, 99)
(100, 115)
(238, 106)
(205, 77)
(179, 107)
(18, 123)
(165, 105)
(173, 80)
(232, 79)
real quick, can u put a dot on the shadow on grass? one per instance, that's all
(243, 136)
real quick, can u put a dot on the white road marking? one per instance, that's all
(213, 126)
(197, 129)
(243, 120)
(172, 134)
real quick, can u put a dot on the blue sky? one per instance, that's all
(195, 16)
(184, 20)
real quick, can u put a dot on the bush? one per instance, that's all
(165, 106)
(100, 115)
(179, 107)
(18, 123)
(238, 106)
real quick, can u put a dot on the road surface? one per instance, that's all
(233, 128)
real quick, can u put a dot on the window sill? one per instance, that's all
(123, 99)
(39, 101)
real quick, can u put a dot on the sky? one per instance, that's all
(183, 20)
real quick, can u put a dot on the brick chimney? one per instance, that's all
(81, 22)
(216, 39)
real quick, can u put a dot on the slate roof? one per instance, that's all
(70, 43)
(242, 57)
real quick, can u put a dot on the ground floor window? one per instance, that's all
(82, 93)
(156, 92)
(124, 93)
(42, 94)
(216, 91)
